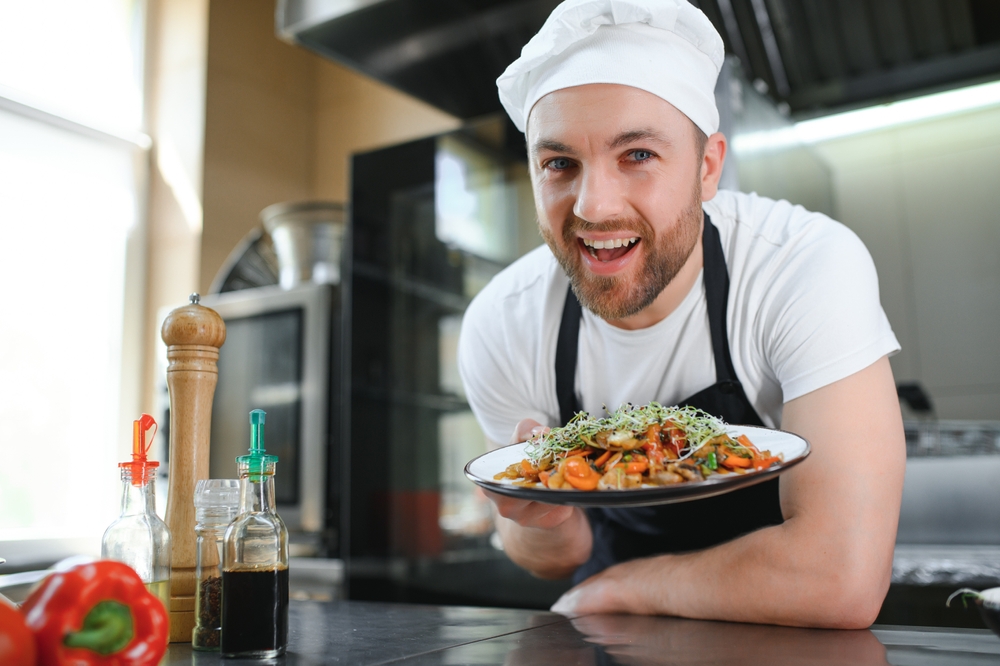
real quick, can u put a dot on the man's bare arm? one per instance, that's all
(830, 562)
(549, 541)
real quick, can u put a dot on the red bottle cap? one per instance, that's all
(141, 443)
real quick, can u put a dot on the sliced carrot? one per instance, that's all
(745, 441)
(764, 463)
(636, 467)
(588, 483)
(653, 433)
(732, 462)
(579, 474)
(544, 478)
(614, 459)
(603, 459)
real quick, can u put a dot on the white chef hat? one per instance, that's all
(665, 47)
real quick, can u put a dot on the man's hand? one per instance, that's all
(548, 540)
(830, 562)
(612, 591)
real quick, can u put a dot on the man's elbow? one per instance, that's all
(858, 611)
(852, 599)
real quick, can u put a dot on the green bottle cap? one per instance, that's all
(257, 461)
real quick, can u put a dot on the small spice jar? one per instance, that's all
(216, 502)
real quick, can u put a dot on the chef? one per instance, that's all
(653, 284)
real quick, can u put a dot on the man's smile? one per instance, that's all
(608, 255)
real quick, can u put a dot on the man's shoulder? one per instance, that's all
(528, 279)
(775, 221)
(756, 230)
(516, 303)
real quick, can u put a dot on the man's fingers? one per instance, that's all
(525, 429)
(536, 514)
(568, 602)
(530, 514)
(598, 594)
(552, 517)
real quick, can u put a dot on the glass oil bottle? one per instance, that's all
(215, 505)
(139, 538)
(255, 560)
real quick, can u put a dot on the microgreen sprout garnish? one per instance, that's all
(582, 429)
(989, 599)
(965, 593)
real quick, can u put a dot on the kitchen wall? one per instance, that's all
(176, 37)
(925, 198)
(260, 121)
(281, 123)
(241, 120)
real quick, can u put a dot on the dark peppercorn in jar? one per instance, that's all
(216, 502)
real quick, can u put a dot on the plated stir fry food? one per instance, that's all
(634, 447)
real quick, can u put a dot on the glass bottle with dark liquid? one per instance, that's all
(255, 560)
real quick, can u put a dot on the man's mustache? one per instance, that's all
(639, 226)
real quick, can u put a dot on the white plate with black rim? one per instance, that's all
(791, 447)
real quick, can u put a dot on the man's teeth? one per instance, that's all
(610, 243)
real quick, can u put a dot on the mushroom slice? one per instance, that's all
(622, 439)
(612, 480)
(668, 478)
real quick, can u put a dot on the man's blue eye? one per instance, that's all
(559, 163)
(641, 155)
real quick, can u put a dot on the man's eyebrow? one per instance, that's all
(551, 145)
(631, 136)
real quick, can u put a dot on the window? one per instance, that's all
(71, 167)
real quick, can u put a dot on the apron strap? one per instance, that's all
(566, 353)
(715, 276)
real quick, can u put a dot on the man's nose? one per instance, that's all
(600, 196)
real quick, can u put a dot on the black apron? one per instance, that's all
(629, 533)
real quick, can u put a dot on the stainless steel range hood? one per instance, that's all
(445, 52)
(807, 55)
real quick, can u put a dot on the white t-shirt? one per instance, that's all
(803, 312)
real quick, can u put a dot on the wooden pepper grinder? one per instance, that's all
(193, 335)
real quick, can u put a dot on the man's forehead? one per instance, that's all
(605, 113)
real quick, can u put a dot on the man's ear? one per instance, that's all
(711, 165)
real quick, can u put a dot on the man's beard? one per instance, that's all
(614, 297)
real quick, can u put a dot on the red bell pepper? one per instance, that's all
(676, 440)
(97, 614)
(17, 644)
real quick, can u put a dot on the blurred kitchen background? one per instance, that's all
(141, 142)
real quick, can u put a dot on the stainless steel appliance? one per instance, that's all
(282, 355)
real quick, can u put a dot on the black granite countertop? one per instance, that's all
(363, 633)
